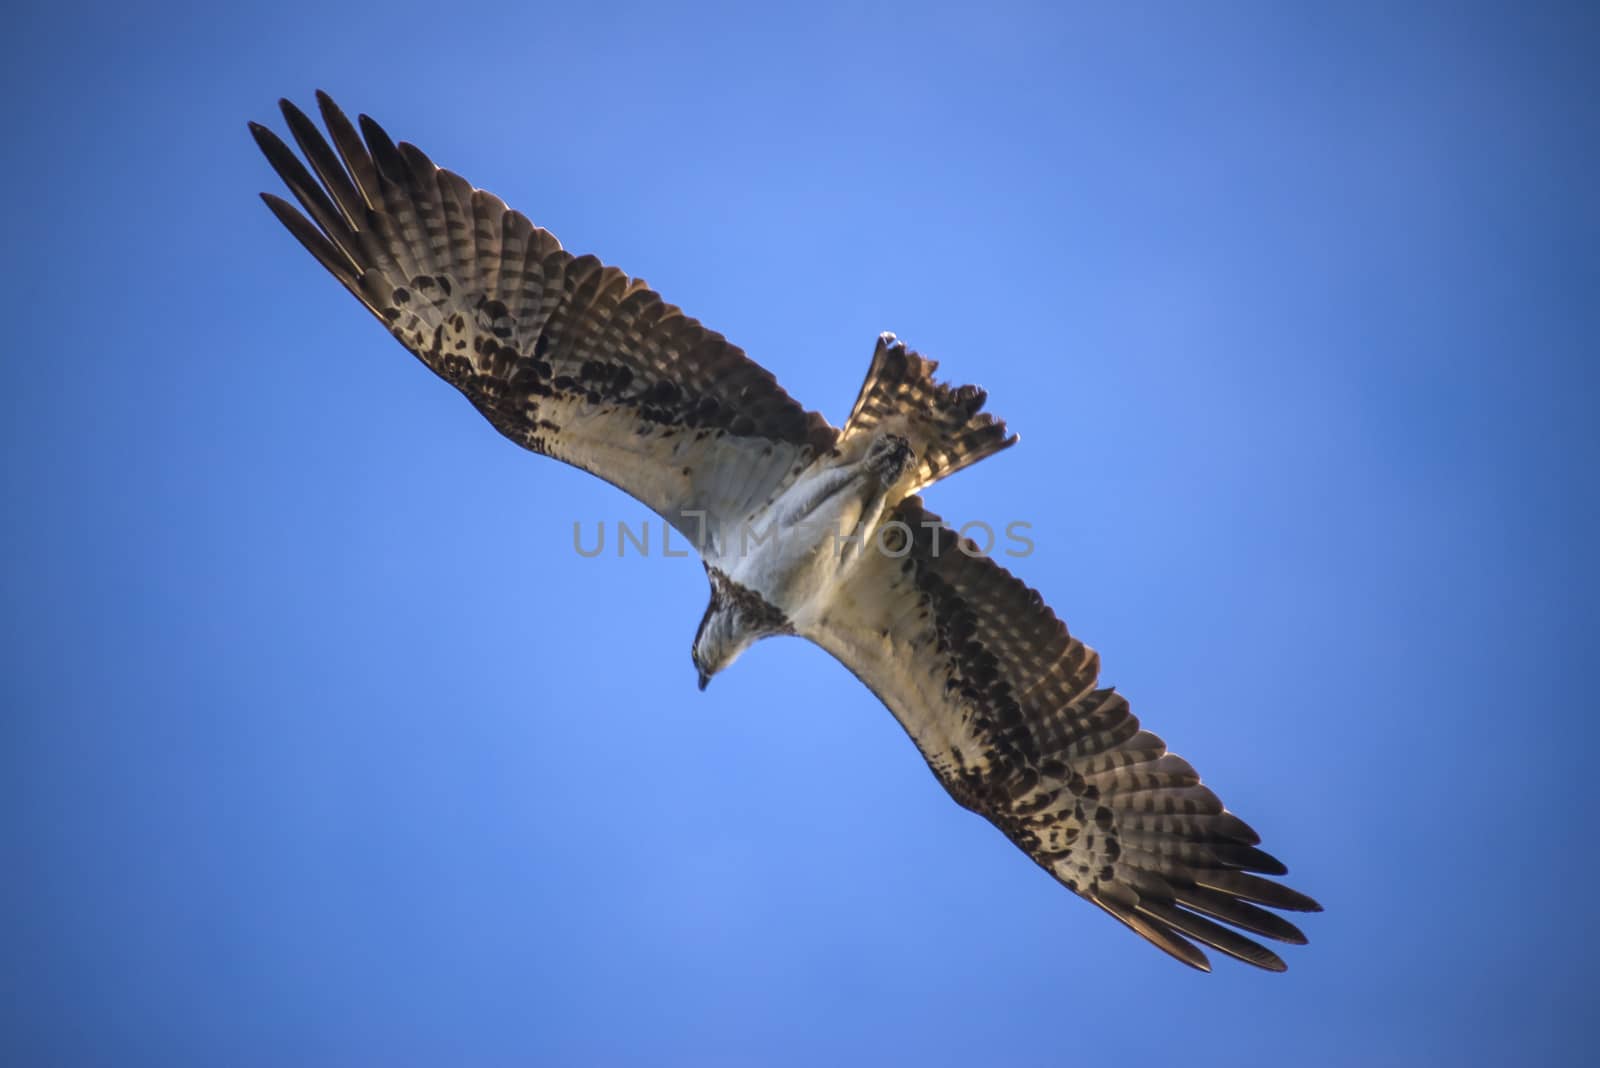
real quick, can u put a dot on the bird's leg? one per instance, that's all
(888, 461)
(825, 487)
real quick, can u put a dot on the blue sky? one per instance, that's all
(322, 746)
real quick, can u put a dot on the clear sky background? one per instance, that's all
(321, 746)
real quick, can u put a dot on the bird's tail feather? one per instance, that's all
(943, 424)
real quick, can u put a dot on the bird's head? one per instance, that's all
(735, 619)
(720, 639)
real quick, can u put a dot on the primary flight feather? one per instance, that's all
(803, 528)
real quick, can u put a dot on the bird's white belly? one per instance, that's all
(794, 551)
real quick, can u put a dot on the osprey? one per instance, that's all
(803, 528)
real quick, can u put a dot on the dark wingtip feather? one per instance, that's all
(317, 243)
(312, 195)
(357, 161)
(1218, 937)
(290, 112)
(335, 179)
(384, 153)
(265, 139)
(1240, 914)
(1152, 930)
(1296, 901)
(1231, 826)
(1248, 858)
(1256, 890)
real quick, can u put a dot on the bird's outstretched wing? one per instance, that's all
(563, 355)
(1002, 702)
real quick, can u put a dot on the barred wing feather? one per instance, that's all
(562, 354)
(1003, 703)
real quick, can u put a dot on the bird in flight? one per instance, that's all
(803, 528)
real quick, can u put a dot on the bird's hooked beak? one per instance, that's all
(704, 678)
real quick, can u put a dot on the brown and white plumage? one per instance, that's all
(562, 354)
(1004, 705)
(573, 359)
